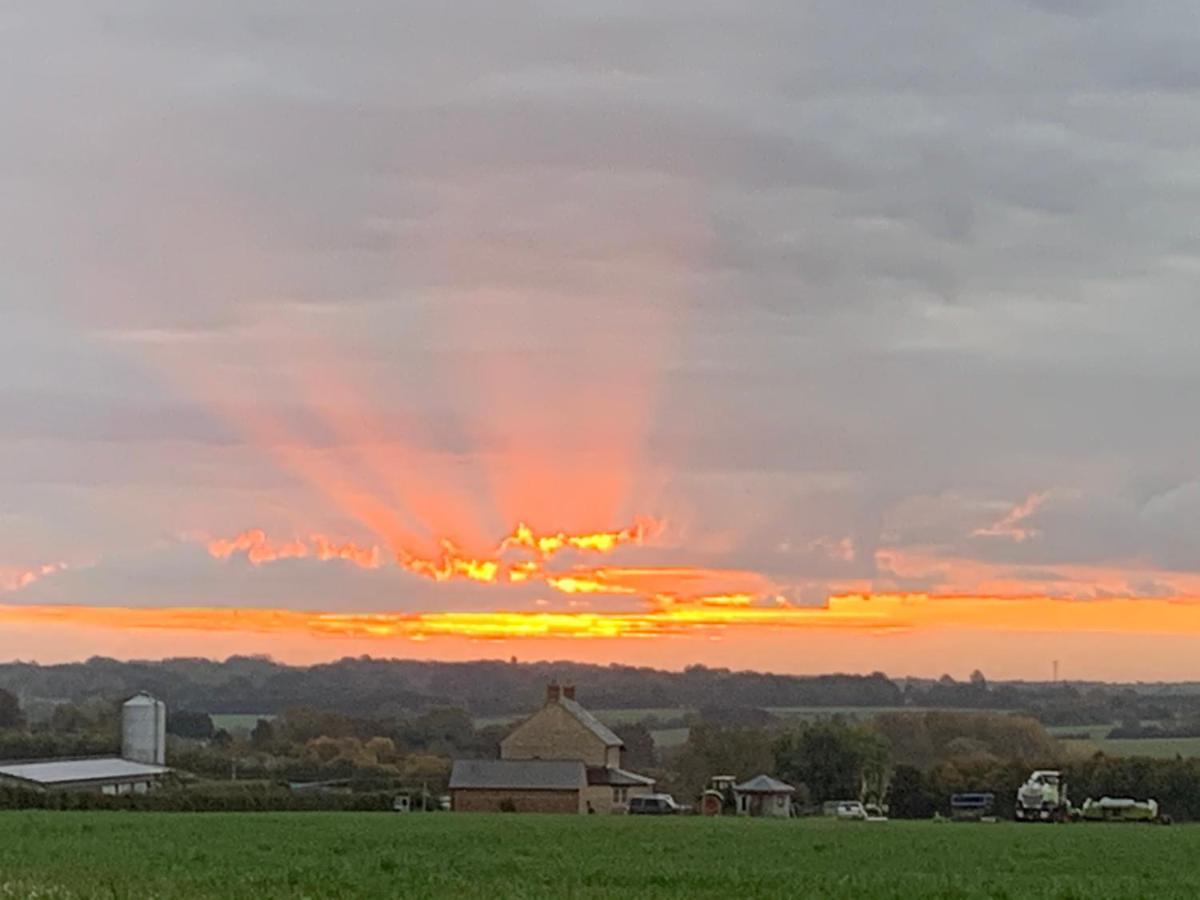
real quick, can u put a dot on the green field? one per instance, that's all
(135, 855)
(610, 717)
(1163, 748)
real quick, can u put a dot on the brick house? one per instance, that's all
(560, 759)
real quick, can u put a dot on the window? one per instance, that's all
(620, 795)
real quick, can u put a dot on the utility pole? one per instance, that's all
(1056, 671)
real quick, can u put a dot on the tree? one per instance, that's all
(263, 735)
(712, 750)
(195, 725)
(381, 749)
(640, 752)
(834, 760)
(909, 797)
(10, 711)
(923, 739)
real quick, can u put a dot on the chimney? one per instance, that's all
(568, 691)
(553, 691)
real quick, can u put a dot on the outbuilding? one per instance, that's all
(764, 796)
(518, 785)
(106, 775)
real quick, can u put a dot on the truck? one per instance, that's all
(1043, 798)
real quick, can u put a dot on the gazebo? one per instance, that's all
(764, 796)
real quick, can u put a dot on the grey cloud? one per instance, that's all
(914, 261)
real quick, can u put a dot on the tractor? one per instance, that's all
(1043, 798)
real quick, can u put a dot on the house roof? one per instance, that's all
(518, 774)
(614, 777)
(594, 725)
(764, 784)
(72, 771)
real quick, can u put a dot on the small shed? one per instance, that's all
(764, 796)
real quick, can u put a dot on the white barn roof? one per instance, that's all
(74, 771)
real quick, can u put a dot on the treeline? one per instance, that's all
(371, 687)
(1175, 783)
(837, 759)
(914, 761)
(257, 798)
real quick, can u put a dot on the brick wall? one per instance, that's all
(524, 801)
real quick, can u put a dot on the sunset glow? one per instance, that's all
(877, 614)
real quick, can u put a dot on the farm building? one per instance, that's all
(561, 759)
(518, 785)
(111, 775)
(764, 796)
(139, 769)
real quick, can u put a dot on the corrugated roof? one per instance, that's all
(764, 784)
(613, 777)
(518, 774)
(67, 771)
(593, 724)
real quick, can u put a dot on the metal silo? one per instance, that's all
(144, 730)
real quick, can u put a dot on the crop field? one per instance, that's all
(136, 855)
(610, 717)
(1162, 748)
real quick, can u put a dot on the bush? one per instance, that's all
(259, 799)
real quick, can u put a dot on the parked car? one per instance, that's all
(654, 805)
(851, 810)
(857, 811)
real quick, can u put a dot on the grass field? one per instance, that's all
(132, 855)
(1163, 748)
(610, 717)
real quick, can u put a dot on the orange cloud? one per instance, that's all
(1012, 524)
(260, 549)
(876, 613)
(453, 563)
(16, 579)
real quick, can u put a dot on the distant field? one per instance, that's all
(1165, 748)
(236, 722)
(856, 712)
(1094, 732)
(609, 717)
(329, 855)
(626, 716)
(666, 738)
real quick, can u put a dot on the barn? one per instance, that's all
(107, 775)
(141, 767)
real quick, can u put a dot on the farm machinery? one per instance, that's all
(1043, 798)
(1122, 809)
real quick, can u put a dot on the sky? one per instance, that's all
(807, 336)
